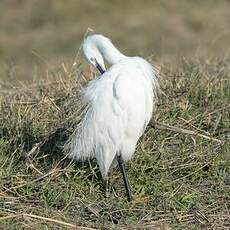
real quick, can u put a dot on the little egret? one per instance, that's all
(119, 102)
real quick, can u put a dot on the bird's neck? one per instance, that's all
(109, 52)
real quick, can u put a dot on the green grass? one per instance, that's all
(179, 181)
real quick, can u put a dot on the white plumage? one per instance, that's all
(119, 102)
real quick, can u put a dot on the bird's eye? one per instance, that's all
(92, 59)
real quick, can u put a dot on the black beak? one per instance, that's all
(100, 68)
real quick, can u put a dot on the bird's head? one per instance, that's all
(92, 54)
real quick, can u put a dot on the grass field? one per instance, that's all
(180, 181)
(39, 35)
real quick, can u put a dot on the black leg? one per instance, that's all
(125, 178)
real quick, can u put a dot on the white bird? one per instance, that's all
(119, 102)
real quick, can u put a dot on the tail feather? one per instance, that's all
(80, 144)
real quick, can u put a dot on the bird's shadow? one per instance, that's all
(52, 148)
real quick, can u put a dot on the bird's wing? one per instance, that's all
(134, 96)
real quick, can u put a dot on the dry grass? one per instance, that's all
(179, 181)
